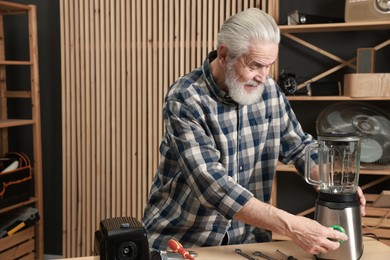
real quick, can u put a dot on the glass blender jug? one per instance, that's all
(338, 157)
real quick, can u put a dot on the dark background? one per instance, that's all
(294, 194)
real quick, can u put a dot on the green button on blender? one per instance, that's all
(340, 229)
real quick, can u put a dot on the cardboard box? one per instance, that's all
(367, 85)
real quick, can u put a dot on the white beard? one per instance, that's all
(237, 90)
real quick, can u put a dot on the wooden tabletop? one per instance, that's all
(373, 249)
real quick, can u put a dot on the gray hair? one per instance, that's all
(245, 28)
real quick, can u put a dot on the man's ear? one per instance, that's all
(222, 55)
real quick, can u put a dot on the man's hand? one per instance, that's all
(312, 236)
(362, 201)
(306, 233)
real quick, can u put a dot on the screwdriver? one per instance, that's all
(290, 257)
(178, 248)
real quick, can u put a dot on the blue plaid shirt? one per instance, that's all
(215, 156)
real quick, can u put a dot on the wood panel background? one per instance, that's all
(118, 58)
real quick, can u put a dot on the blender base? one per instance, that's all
(319, 258)
(342, 210)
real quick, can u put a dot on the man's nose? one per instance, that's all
(261, 74)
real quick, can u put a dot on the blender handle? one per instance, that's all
(308, 168)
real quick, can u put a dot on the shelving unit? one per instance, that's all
(27, 243)
(289, 31)
(335, 27)
(374, 215)
(334, 98)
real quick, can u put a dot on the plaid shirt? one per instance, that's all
(215, 156)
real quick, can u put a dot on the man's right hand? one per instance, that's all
(312, 236)
(306, 233)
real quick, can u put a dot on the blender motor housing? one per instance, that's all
(342, 210)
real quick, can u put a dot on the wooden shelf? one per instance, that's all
(335, 27)
(15, 122)
(333, 98)
(15, 62)
(12, 8)
(18, 205)
(18, 94)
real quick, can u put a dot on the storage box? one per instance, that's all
(367, 85)
(16, 183)
(18, 246)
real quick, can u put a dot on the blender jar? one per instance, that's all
(337, 163)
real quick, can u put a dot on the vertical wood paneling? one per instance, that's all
(118, 59)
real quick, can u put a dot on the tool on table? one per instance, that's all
(178, 248)
(287, 257)
(258, 253)
(239, 251)
(170, 255)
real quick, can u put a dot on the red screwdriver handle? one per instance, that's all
(176, 247)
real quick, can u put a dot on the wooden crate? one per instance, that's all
(376, 221)
(20, 245)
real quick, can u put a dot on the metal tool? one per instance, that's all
(239, 251)
(287, 257)
(170, 255)
(258, 253)
(178, 248)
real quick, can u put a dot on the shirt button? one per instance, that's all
(241, 167)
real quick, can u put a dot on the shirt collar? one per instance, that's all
(221, 95)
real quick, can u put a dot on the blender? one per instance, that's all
(332, 165)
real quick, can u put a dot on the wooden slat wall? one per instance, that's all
(118, 59)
